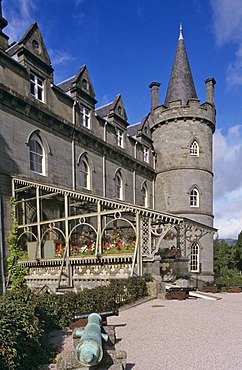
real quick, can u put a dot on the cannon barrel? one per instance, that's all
(89, 351)
(103, 314)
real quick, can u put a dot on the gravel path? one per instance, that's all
(182, 335)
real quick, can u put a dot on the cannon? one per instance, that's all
(103, 314)
(89, 351)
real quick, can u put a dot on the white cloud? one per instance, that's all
(227, 26)
(227, 20)
(228, 182)
(105, 99)
(20, 14)
(59, 57)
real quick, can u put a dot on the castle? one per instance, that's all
(95, 197)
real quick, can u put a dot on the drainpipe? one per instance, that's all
(73, 154)
(134, 174)
(134, 186)
(104, 175)
(153, 182)
(104, 159)
(135, 150)
(1, 252)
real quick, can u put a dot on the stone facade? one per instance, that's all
(54, 135)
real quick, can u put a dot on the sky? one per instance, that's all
(127, 44)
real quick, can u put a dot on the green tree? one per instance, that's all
(225, 256)
(239, 252)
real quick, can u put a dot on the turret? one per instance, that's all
(182, 132)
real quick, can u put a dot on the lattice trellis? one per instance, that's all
(145, 236)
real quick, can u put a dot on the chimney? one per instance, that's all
(210, 83)
(3, 24)
(154, 86)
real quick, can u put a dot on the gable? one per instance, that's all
(144, 129)
(118, 108)
(32, 45)
(83, 81)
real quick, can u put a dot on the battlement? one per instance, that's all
(191, 111)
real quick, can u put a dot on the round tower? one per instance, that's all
(182, 131)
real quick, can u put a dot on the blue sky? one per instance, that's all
(127, 44)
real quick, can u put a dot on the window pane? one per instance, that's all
(84, 117)
(40, 94)
(194, 198)
(37, 87)
(194, 260)
(118, 186)
(31, 88)
(36, 156)
(84, 173)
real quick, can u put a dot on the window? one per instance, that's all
(118, 185)
(194, 149)
(194, 198)
(37, 87)
(84, 171)
(194, 261)
(146, 154)
(144, 195)
(85, 117)
(119, 135)
(37, 155)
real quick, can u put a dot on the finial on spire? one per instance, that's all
(180, 36)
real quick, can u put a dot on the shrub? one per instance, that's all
(21, 333)
(26, 318)
(229, 277)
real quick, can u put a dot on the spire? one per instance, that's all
(181, 35)
(181, 85)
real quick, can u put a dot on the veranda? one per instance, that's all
(71, 239)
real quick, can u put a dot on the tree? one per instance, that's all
(225, 255)
(239, 252)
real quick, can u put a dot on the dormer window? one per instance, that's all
(119, 137)
(146, 154)
(36, 87)
(85, 117)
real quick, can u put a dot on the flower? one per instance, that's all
(119, 240)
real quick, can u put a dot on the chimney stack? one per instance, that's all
(154, 86)
(210, 83)
(3, 24)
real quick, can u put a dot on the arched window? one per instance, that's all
(118, 185)
(144, 192)
(194, 197)
(84, 171)
(37, 154)
(194, 260)
(194, 148)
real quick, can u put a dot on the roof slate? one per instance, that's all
(181, 85)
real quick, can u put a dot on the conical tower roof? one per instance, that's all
(181, 85)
